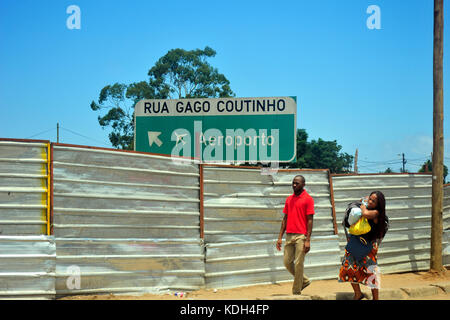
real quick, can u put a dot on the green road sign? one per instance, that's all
(218, 130)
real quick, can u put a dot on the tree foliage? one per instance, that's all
(427, 166)
(320, 154)
(119, 115)
(187, 74)
(178, 74)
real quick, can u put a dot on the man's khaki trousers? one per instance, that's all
(294, 258)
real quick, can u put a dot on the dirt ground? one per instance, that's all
(318, 287)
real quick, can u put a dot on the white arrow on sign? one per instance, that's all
(153, 137)
(180, 138)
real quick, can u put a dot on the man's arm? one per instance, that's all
(282, 230)
(309, 227)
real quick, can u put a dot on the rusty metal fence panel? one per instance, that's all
(242, 218)
(446, 223)
(23, 188)
(128, 221)
(27, 254)
(406, 246)
(27, 267)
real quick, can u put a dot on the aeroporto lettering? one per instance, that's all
(237, 140)
(214, 145)
(222, 106)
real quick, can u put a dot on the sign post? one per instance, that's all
(219, 130)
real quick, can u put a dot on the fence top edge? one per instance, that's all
(131, 152)
(380, 174)
(259, 168)
(23, 140)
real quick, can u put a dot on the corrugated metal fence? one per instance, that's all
(23, 188)
(406, 246)
(129, 222)
(27, 253)
(27, 267)
(242, 219)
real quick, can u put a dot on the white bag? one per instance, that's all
(354, 216)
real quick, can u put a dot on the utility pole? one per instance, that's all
(404, 162)
(356, 161)
(438, 139)
(57, 132)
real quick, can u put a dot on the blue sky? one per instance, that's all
(367, 89)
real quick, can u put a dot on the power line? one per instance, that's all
(415, 164)
(381, 162)
(376, 165)
(79, 134)
(68, 130)
(366, 168)
(422, 158)
(394, 161)
(37, 134)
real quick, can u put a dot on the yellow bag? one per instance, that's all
(362, 226)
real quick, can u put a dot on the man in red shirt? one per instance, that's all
(297, 222)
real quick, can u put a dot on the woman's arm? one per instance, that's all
(369, 214)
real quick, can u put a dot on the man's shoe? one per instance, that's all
(306, 284)
(303, 287)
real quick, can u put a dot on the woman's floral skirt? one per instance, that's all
(365, 271)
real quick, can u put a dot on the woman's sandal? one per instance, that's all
(362, 297)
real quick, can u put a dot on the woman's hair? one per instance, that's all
(381, 208)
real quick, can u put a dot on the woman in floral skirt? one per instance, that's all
(365, 271)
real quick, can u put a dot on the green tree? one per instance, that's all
(119, 115)
(320, 154)
(178, 74)
(186, 74)
(427, 166)
(302, 148)
(388, 170)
